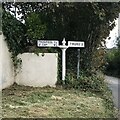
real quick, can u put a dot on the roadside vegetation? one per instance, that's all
(113, 61)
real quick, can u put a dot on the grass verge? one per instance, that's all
(28, 102)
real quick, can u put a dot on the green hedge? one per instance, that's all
(113, 62)
(92, 82)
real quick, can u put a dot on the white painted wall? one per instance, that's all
(38, 71)
(6, 66)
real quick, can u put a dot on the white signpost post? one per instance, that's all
(49, 43)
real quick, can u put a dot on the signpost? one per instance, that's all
(78, 64)
(49, 43)
(75, 44)
(63, 48)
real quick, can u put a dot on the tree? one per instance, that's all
(34, 26)
(118, 42)
(113, 60)
(89, 22)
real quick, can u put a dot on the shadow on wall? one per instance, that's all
(6, 66)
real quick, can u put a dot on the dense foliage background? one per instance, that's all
(113, 60)
(89, 22)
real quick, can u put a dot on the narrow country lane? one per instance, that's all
(114, 85)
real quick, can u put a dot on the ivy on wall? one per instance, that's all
(14, 32)
(21, 37)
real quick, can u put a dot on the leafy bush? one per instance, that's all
(93, 83)
(113, 62)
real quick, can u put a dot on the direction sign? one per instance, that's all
(47, 43)
(53, 43)
(76, 44)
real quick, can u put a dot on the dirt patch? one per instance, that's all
(38, 112)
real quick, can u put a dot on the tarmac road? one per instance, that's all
(114, 85)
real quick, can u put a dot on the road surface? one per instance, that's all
(114, 85)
